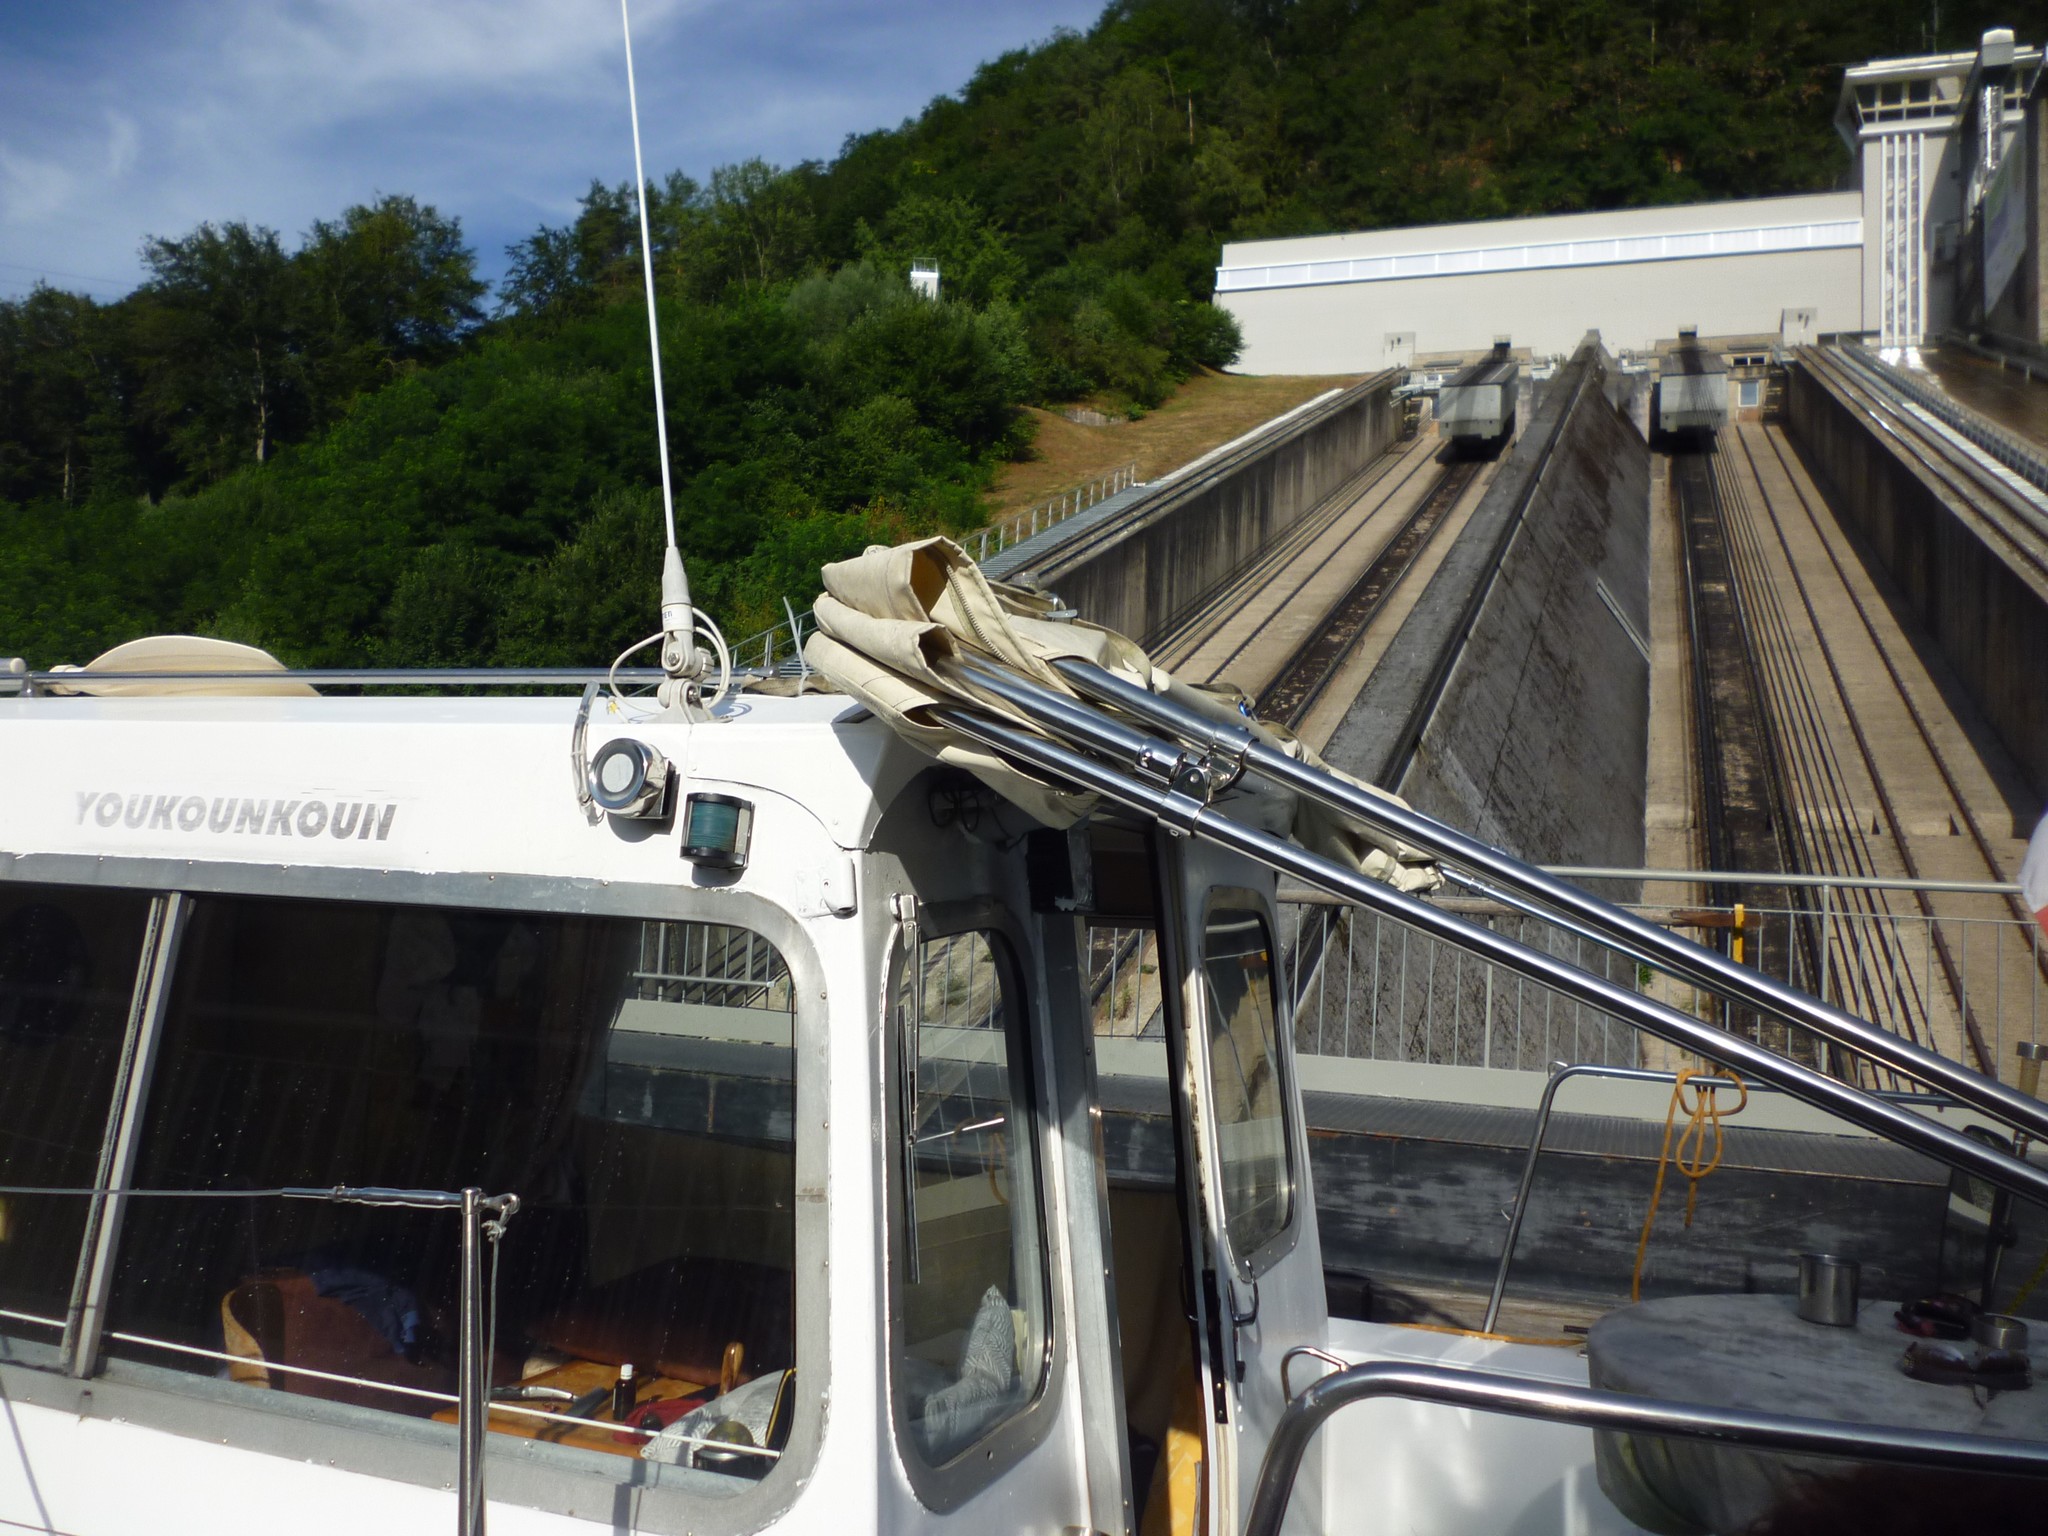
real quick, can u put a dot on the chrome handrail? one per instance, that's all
(1800, 881)
(1591, 1408)
(1561, 1073)
(1305, 1352)
(36, 684)
(1528, 889)
(1182, 812)
(483, 1220)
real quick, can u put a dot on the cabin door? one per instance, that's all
(1249, 1200)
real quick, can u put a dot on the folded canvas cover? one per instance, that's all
(894, 625)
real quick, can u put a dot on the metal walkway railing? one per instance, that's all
(1374, 989)
(2026, 459)
(1590, 1408)
(1031, 522)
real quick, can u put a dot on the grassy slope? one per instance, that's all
(1209, 410)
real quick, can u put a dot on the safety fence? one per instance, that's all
(2016, 453)
(1946, 964)
(779, 648)
(1019, 526)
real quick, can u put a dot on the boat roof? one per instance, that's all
(1691, 358)
(1489, 370)
(428, 784)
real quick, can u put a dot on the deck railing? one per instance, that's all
(1966, 981)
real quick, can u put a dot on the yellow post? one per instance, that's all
(1736, 956)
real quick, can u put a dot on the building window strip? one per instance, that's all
(1624, 250)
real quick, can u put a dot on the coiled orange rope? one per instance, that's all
(1703, 1112)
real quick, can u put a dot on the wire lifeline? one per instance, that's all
(1704, 1110)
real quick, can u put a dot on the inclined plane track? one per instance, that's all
(1742, 798)
(1296, 626)
(1379, 482)
(1304, 676)
(1295, 622)
(1883, 777)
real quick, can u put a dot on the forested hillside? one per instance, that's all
(346, 449)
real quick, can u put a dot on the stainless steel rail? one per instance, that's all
(1589, 1408)
(1563, 1072)
(483, 1220)
(1183, 812)
(42, 683)
(1529, 889)
(1758, 877)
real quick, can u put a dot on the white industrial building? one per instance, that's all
(1879, 260)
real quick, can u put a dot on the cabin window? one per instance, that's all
(1247, 1095)
(970, 1328)
(68, 961)
(633, 1082)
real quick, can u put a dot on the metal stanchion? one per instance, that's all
(473, 1365)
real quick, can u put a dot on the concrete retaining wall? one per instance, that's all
(1400, 1208)
(1990, 621)
(1145, 571)
(1398, 1204)
(1515, 704)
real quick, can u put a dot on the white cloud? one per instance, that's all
(167, 113)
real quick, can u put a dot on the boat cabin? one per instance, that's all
(801, 1122)
(816, 1180)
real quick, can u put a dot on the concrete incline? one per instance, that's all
(1889, 770)
(1515, 702)
(1162, 558)
(1250, 633)
(1325, 529)
(1964, 541)
(1401, 603)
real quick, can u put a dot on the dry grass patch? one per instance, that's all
(1206, 412)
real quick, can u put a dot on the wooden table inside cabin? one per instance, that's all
(580, 1377)
(1754, 1351)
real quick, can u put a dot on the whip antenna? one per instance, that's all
(680, 658)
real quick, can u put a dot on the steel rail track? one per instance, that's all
(1202, 625)
(1962, 811)
(1811, 766)
(1948, 464)
(1919, 718)
(1743, 801)
(1825, 828)
(1306, 674)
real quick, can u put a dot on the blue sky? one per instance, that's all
(126, 118)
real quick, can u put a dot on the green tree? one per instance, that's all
(387, 287)
(976, 262)
(223, 320)
(761, 223)
(65, 406)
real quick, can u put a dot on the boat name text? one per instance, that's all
(362, 819)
